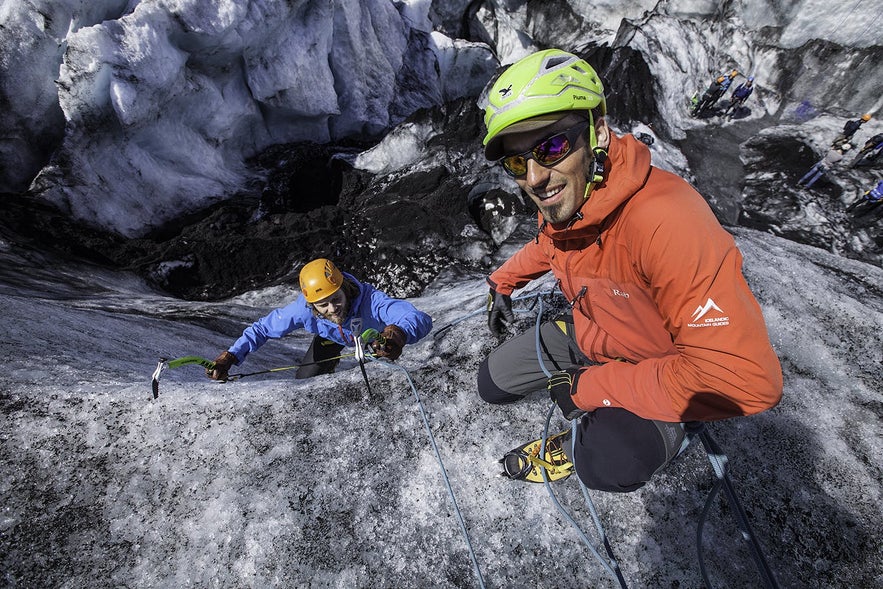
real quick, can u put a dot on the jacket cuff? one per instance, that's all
(502, 289)
(586, 397)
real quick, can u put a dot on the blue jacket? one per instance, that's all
(376, 308)
(851, 127)
(742, 91)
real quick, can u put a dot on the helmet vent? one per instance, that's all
(541, 83)
(554, 62)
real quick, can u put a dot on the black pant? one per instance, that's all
(321, 358)
(615, 449)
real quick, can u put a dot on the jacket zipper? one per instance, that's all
(582, 291)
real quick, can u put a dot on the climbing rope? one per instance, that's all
(534, 295)
(441, 465)
(612, 566)
(719, 464)
(694, 429)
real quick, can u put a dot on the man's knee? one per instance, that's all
(488, 389)
(617, 451)
(598, 480)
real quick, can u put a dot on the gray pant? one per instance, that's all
(615, 450)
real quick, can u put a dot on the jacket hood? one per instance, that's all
(628, 167)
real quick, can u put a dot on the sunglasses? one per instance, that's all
(547, 152)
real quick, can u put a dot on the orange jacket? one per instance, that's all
(658, 298)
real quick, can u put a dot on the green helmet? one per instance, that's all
(545, 82)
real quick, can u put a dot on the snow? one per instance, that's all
(400, 148)
(268, 481)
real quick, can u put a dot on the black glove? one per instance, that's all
(390, 342)
(499, 312)
(562, 386)
(222, 366)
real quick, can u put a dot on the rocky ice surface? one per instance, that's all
(272, 482)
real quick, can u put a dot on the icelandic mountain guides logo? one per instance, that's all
(717, 319)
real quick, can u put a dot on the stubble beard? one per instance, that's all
(554, 213)
(338, 317)
(560, 212)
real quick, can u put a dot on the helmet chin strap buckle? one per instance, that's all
(597, 171)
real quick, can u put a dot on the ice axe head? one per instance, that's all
(161, 365)
(370, 334)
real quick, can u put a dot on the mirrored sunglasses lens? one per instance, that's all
(551, 150)
(515, 165)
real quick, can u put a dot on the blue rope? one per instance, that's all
(612, 566)
(441, 465)
(524, 297)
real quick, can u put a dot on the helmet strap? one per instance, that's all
(596, 171)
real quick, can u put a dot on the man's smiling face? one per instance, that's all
(333, 308)
(558, 190)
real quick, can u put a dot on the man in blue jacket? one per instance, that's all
(875, 194)
(850, 129)
(337, 308)
(740, 95)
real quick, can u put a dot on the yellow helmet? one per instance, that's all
(548, 82)
(866, 117)
(320, 279)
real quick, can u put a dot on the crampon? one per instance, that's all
(524, 463)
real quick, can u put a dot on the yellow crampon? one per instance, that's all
(524, 463)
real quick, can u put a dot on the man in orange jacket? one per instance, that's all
(663, 328)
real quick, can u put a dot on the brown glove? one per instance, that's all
(390, 343)
(222, 366)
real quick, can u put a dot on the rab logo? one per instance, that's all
(505, 92)
(703, 310)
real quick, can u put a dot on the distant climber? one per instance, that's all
(869, 201)
(869, 152)
(875, 194)
(849, 130)
(709, 97)
(823, 166)
(713, 93)
(740, 95)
